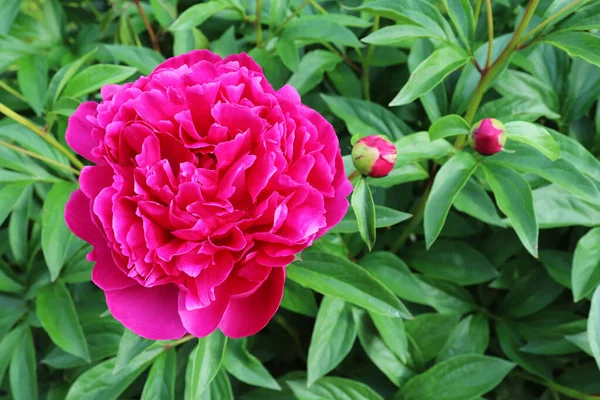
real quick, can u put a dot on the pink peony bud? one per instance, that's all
(374, 156)
(488, 136)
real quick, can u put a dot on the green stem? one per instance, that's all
(318, 7)
(572, 393)
(343, 56)
(258, 25)
(288, 19)
(549, 20)
(41, 133)
(478, 6)
(180, 341)
(12, 91)
(490, 24)
(39, 157)
(148, 26)
(490, 74)
(367, 64)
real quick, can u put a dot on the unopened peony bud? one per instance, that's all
(374, 156)
(488, 136)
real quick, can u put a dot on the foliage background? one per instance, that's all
(484, 312)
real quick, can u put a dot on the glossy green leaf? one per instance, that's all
(470, 336)
(397, 35)
(8, 13)
(511, 342)
(339, 277)
(22, 372)
(576, 154)
(430, 331)
(577, 44)
(461, 15)
(32, 75)
(593, 327)
(130, 346)
(530, 294)
(513, 196)
(533, 135)
(550, 347)
(18, 226)
(463, 377)
(197, 14)
(245, 367)
(332, 338)
(585, 275)
(9, 195)
(364, 117)
(418, 146)
(160, 383)
(93, 78)
(204, 364)
(449, 181)
(364, 210)
(332, 388)
(55, 234)
(449, 125)
(398, 176)
(319, 29)
(219, 388)
(452, 261)
(556, 207)
(393, 333)
(8, 344)
(476, 202)
(312, 68)
(430, 73)
(299, 299)
(165, 11)
(288, 52)
(143, 59)
(56, 310)
(379, 353)
(582, 341)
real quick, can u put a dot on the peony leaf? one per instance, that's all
(204, 364)
(585, 275)
(364, 209)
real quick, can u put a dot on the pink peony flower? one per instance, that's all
(206, 183)
(374, 156)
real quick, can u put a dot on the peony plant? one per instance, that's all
(360, 200)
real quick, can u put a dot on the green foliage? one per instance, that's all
(429, 288)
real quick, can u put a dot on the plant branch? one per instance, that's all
(38, 156)
(318, 7)
(367, 64)
(478, 6)
(12, 91)
(341, 55)
(180, 341)
(41, 133)
(572, 393)
(548, 21)
(257, 24)
(148, 25)
(490, 26)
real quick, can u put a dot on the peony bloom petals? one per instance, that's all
(203, 321)
(79, 219)
(149, 312)
(106, 274)
(188, 59)
(79, 131)
(246, 316)
(94, 179)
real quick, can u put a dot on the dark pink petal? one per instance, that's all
(106, 274)
(79, 219)
(189, 59)
(79, 131)
(149, 312)
(246, 316)
(203, 321)
(95, 178)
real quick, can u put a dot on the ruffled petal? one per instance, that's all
(79, 131)
(95, 178)
(79, 218)
(106, 274)
(149, 312)
(189, 59)
(203, 321)
(246, 316)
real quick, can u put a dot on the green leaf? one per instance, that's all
(470, 336)
(9, 196)
(99, 382)
(530, 294)
(142, 58)
(512, 82)
(160, 383)
(8, 13)
(582, 341)
(576, 154)
(561, 172)
(364, 209)
(18, 226)
(8, 343)
(332, 338)
(130, 346)
(475, 201)
(513, 196)
(397, 35)
(559, 346)
(533, 135)
(245, 367)
(23, 369)
(186, 41)
(56, 311)
(511, 342)
(288, 52)
(593, 326)
(430, 332)
(449, 125)
(32, 74)
(443, 296)
(197, 14)
(62, 77)
(577, 44)
(461, 15)
(585, 275)
(345, 81)
(393, 334)
(449, 181)
(384, 217)
(219, 388)
(299, 299)
(417, 146)
(204, 364)
(165, 11)
(558, 265)
(55, 234)
(398, 176)
(430, 73)
(93, 78)
(365, 117)
(319, 28)
(311, 69)
(378, 352)
(8, 283)
(556, 207)
(452, 261)
(339, 277)
(584, 19)
(463, 377)
(332, 388)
